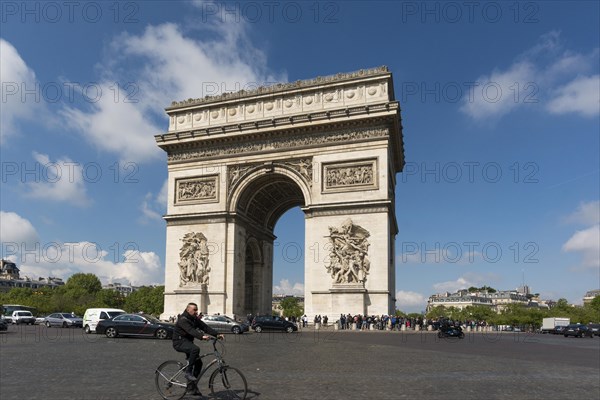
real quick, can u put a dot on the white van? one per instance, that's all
(93, 315)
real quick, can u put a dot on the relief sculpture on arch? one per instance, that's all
(193, 265)
(348, 259)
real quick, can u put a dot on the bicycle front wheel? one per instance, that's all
(228, 383)
(170, 380)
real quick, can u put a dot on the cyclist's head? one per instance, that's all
(192, 308)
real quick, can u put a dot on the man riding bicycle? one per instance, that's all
(188, 327)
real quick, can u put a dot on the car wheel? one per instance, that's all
(48, 324)
(289, 329)
(566, 335)
(111, 332)
(258, 329)
(236, 330)
(87, 329)
(161, 333)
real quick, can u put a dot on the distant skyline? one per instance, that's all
(500, 108)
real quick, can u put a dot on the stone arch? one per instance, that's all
(238, 162)
(275, 188)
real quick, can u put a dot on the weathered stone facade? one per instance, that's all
(238, 162)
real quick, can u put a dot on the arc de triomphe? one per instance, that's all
(236, 162)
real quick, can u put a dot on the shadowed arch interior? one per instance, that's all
(266, 199)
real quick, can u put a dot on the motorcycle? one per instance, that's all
(451, 331)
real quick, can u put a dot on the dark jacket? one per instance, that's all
(189, 327)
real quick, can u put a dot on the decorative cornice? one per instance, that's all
(281, 87)
(272, 144)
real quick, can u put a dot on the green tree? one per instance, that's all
(595, 304)
(110, 298)
(147, 299)
(290, 307)
(88, 282)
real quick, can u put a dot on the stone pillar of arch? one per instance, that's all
(238, 162)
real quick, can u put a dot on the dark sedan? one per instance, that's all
(139, 325)
(3, 324)
(558, 330)
(272, 323)
(578, 330)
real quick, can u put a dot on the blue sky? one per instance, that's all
(500, 107)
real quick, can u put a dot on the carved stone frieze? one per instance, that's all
(193, 190)
(304, 167)
(193, 260)
(354, 175)
(272, 144)
(348, 258)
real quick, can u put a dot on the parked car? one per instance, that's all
(3, 324)
(22, 317)
(559, 330)
(578, 330)
(135, 325)
(66, 320)
(595, 329)
(224, 324)
(272, 323)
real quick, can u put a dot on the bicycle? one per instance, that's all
(225, 382)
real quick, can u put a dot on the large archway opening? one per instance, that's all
(289, 252)
(261, 204)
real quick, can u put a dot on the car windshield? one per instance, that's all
(24, 314)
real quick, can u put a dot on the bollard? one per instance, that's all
(429, 328)
(417, 328)
(354, 326)
(336, 327)
(317, 326)
(468, 328)
(403, 327)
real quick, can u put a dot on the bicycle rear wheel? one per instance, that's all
(228, 383)
(170, 380)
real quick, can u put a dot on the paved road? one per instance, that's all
(55, 363)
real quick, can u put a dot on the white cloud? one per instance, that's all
(285, 287)
(586, 242)
(153, 208)
(452, 286)
(586, 214)
(161, 199)
(116, 127)
(406, 299)
(581, 95)
(16, 230)
(65, 259)
(545, 74)
(467, 280)
(497, 94)
(17, 79)
(160, 65)
(62, 180)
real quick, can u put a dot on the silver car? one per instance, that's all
(65, 320)
(224, 324)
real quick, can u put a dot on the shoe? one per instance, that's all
(195, 392)
(189, 376)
